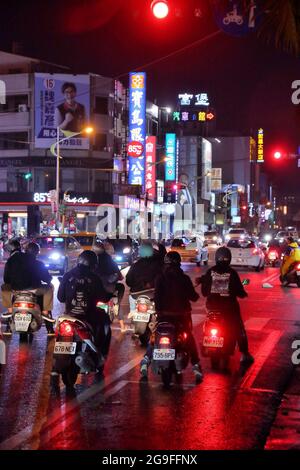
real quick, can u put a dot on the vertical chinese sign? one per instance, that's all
(260, 146)
(150, 167)
(137, 125)
(170, 168)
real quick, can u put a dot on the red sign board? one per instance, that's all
(135, 149)
(150, 167)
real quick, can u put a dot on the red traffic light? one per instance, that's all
(277, 155)
(160, 9)
(175, 187)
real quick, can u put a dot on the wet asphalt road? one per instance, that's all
(232, 410)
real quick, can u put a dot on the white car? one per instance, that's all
(236, 234)
(246, 253)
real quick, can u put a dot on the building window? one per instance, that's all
(14, 104)
(100, 142)
(101, 105)
(13, 140)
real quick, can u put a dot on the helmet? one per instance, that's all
(172, 258)
(98, 247)
(290, 240)
(146, 250)
(87, 258)
(33, 249)
(223, 256)
(13, 245)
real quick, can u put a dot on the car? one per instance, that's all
(246, 252)
(282, 235)
(58, 252)
(123, 251)
(187, 249)
(236, 233)
(85, 239)
(212, 237)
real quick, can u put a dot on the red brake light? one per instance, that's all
(66, 329)
(298, 267)
(255, 251)
(23, 305)
(142, 308)
(214, 332)
(164, 340)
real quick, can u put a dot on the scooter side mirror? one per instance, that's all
(246, 282)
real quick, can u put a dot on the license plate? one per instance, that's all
(210, 342)
(22, 321)
(143, 317)
(61, 347)
(164, 354)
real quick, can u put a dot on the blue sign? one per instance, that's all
(137, 125)
(233, 17)
(170, 168)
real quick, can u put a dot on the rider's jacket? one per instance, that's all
(291, 256)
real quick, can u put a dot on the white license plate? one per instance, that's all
(61, 347)
(22, 321)
(298, 273)
(164, 354)
(211, 342)
(144, 317)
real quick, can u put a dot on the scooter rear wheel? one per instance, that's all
(166, 376)
(69, 376)
(215, 362)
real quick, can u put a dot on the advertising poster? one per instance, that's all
(61, 100)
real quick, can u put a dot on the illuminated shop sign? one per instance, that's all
(187, 99)
(170, 167)
(137, 125)
(201, 116)
(260, 146)
(150, 166)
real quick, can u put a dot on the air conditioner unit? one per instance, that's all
(22, 108)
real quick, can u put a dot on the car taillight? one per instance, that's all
(23, 305)
(164, 340)
(214, 332)
(66, 329)
(272, 255)
(255, 251)
(298, 267)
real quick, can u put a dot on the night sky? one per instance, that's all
(248, 82)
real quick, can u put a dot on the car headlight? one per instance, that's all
(119, 258)
(215, 238)
(268, 238)
(55, 256)
(126, 250)
(227, 237)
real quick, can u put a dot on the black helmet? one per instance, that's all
(172, 258)
(13, 245)
(87, 258)
(290, 240)
(223, 256)
(33, 249)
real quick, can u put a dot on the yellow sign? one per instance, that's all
(260, 146)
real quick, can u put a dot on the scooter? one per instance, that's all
(273, 257)
(143, 315)
(219, 340)
(170, 353)
(75, 351)
(26, 317)
(292, 276)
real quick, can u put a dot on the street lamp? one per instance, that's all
(55, 150)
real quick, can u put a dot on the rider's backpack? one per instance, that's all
(81, 295)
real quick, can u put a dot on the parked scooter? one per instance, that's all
(219, 339)
(170, 353)
(26, 317)
(75, 351)
(143, 314)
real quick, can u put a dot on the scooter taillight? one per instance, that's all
(83, 333)
(272, 255)
(214, 332)
(66, 329)
(143, 308)
(182, 337)
(164, 340)
(298, 267)
(23, 305)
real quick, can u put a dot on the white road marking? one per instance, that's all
(260, 358)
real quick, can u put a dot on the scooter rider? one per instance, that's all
(80, 289)
(142, 274)
(222, 285)
(291, 256)
(110, 274)
(173, 293)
